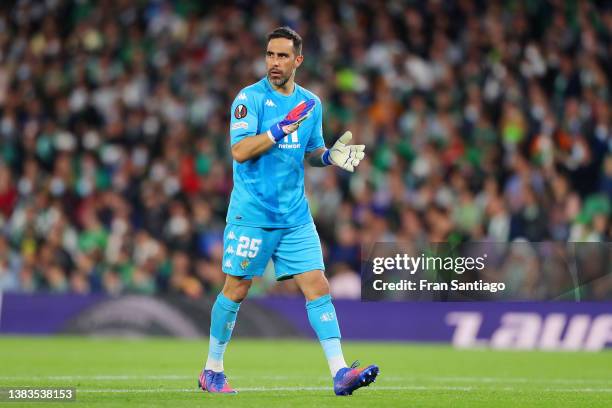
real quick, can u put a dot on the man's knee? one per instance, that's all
(313, 284)
(320, 287)
(236, 288)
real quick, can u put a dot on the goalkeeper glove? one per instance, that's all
(294, 118)
(343, 155)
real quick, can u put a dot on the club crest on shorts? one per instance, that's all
(244, 264)
(240, 111)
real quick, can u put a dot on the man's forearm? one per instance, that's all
(315, 158)
(251, 147)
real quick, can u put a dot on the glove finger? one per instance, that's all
(299, 121)
(355, 162)
(301, 110)
(358, 155)
(346, 137)
(357, 148)
(290, 128)
(310, 104)
(349, 167)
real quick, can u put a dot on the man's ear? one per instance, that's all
(298, 60)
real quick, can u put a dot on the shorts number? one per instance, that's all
(247, 243)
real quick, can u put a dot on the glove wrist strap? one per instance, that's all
(325, 158)
(276, 132)
(269, 133)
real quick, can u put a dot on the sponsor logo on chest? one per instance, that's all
(291, 141)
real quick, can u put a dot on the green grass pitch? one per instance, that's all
(275, 373)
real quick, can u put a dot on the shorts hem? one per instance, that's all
(268, 226)
(286, 276)
(245, 276)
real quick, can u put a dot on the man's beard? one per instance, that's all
(279, 82)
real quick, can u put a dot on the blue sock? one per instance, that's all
(222, 321)
(322, 317)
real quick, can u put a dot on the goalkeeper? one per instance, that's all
(275, 125)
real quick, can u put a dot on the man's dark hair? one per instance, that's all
(286, 32)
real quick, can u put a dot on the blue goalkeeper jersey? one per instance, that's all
(269, 190)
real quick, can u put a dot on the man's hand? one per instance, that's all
(292, 121)
(343, 155)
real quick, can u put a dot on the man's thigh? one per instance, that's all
(247, 250)
(298, 251)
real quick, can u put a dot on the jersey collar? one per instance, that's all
(269, 86)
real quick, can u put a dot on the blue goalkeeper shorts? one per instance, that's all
(247, 250)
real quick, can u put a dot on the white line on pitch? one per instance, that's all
(314, 378)
(513, 380)
(380, 388)
(265, 389)
(100, 377)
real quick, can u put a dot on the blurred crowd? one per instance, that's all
(482, 121)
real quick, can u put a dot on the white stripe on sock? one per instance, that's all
(215, 365)
(335, 364)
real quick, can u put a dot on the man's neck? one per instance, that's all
(286, 89)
